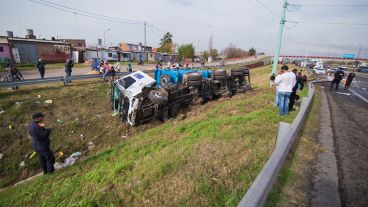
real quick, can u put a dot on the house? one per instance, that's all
(105, 54)
(29, 49)
(134, 52)
(78, 48)
(5, 51)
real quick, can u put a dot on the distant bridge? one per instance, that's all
(323, 57)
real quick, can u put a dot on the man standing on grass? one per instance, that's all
(68, 68)
(41, 143)
(285, 83)
(41, 67)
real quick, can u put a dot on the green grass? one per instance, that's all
(208, 159)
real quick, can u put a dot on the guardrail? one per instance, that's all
(287, 133)
(65, 79)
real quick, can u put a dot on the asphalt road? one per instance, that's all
(84, 70)
(349, 117)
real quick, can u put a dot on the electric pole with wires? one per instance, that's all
(279, 38)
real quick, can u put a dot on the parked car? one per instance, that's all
(363, 69)
(319, 70)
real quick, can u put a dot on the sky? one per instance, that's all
(244, 23)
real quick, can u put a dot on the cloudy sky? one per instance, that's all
(245, 23)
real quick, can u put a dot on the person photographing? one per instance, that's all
(41, 142)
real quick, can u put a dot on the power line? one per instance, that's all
(329, 4)
(329, 23)
(267, 8)
(85, 13)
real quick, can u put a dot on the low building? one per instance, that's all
(5, 51)
(102, 54)
(29, 49)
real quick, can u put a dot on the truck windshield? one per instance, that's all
(127, 82)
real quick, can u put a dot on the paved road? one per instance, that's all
(82, 71)
(349, 115)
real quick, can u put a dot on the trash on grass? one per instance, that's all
(90, 145)
(22, 164)
(10, 127)
(32, 155)
(38, 96)
(59, 121)
(68, 161)
(2, 111)
(48, 101)
(115, 114)
(1, 156)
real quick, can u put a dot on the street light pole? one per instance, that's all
(279, 38)
(104, 34)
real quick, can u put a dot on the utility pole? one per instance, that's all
(279, 38)
(360, 50)
(305, 59)
(145, 41)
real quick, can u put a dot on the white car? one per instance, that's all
(319, 70)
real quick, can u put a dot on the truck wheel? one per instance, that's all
(226, 94)
(194, 77)
(220, 77)
(237, 72)
(165, 80)
(220, 72)
(240, 90)
(157, 97)
(246, 71)
(194, 83)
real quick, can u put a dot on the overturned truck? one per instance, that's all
(138, 98)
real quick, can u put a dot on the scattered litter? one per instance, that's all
(10, 127)
(124, 136)
(82, 136)
(2, 111)
(347, 94)
(38, 96)
(59, 121)
(59, 154)
(48, 101)
(37, 102)
(114, 114)
(32, 155)
(76, 119)
(98, 115)
(17, 103)
(22, 164)
(108, 93)
(90, 145)
(1, 156)
(68, 161)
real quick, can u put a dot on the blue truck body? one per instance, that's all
(176, 75)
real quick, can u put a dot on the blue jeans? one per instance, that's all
(283, 98)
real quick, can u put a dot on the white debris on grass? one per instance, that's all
(38, 96)
(1, 156)
(68, 161)
(48, 101)
(90, 145)
(22, 164)
(2, 111)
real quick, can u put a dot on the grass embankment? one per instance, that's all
(209, 158)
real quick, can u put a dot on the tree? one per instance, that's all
(205, 55)
(213, 53)
(232, 51)
(186, 51)
(252, 51)
(166, 44)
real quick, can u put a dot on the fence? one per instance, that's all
(287, 133)
(65, 79)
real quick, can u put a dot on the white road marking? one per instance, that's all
(348, 94)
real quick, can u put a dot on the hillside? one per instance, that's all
(208, 158)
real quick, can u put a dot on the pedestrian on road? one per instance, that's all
(129, 66)
(285, 82)
(68, 68)
(339, 74)
(41, 67)
(349, 79)
(41, 143)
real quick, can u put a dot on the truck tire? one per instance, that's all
(158, 97)
(246, 71)
(194, 76)
(220, 72)
(194, 83)
(237, 72)
(220, 77)
(240, 90)
(165, 80)
(226, 94)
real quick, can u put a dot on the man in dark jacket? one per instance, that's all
(339, 74)
(41, 143)
(349, 79)
(293, 96)
(68, 68)
(41, 67)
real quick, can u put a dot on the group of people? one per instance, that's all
(69, 64)
(13, 74)
(338, 76)
(287, 86)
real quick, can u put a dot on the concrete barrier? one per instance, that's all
(287, 133)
